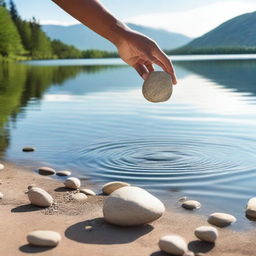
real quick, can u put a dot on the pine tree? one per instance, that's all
(2, 3)
(10, 43)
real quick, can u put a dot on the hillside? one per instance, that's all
(84, 39)
(237, 33)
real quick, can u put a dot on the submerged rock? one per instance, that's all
(110, 187)
(157, 87)
(39, 197)
(44, 238)
(173, 244)
(63, 173)
(28, 149)
(191, 204)
(72, 182)
(251, 208)
(46, 171)
(130, 206)
(221, 219)
(207, 233)
(87, 191)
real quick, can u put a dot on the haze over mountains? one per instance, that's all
(237, 32)
(84, 39)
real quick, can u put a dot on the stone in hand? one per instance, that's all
(157, 87)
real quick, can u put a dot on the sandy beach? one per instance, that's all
(70, 219)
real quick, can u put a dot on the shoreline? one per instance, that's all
(69, 218)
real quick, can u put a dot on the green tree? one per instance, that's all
(10, 43)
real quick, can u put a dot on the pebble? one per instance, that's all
(79, 196)
(221, 219)
(207, 233)
(1, 166)
(251, 208)
(1, 195)
(110, 187)
(28, 149)
(173, 244)
(182, 199)
(46, 171)
(157, 87)
(191, 204)
(87, 191)
(63, 173)
(131, 206)
(39, 197)
(44, 238)
(88, 228)
(31, 186)
(72, 182)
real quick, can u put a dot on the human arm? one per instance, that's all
(134, 48)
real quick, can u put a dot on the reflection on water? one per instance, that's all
(94, 120)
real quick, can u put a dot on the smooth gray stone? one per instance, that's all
(173, 244)
(207, 233)
(63, 173)
(44, 238)
(221, 219)
(110, 187)
(72, 182)
(39, 197)
(46, 171)
(157, 87)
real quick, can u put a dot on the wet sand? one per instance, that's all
(70, 219)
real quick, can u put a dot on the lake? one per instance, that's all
(89, 116)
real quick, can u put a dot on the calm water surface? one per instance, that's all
(90, 117)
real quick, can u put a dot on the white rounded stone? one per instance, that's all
(221, 219)
(207, 233)
(46, 171)
(251, 208)
(87, 191)
(1, 195)
(110, 187)
(72, 182)
(44, 238)
(130, 206)
(63, 173)
(39, 197)
(79, 197)
(191, 204)
(173, 244)
(157, 87)
(1, 166)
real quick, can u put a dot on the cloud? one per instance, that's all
(195, 22)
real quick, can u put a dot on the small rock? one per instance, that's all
(157, 87)
(1, 166)
(79, 197)
(1, 195)
(173, 244)
(28, 149)
(207, 234)
(44, 238)
(221, 219)
(72, 182)
(110, 187)
(251, 208)
(87, 191)
(31, 186)
(39, 197)
(191, 204)
(63, 173)
(130, 206)
(88, 228)
(46, 171)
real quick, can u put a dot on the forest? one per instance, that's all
(23, 40)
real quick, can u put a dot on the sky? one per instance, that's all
(189, 17)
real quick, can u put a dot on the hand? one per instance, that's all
(141, 52)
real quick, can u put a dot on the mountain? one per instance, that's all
(83, 38)
(236, 32)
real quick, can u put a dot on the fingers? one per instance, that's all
(142, 70)
(164, 62)
(150, 67)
